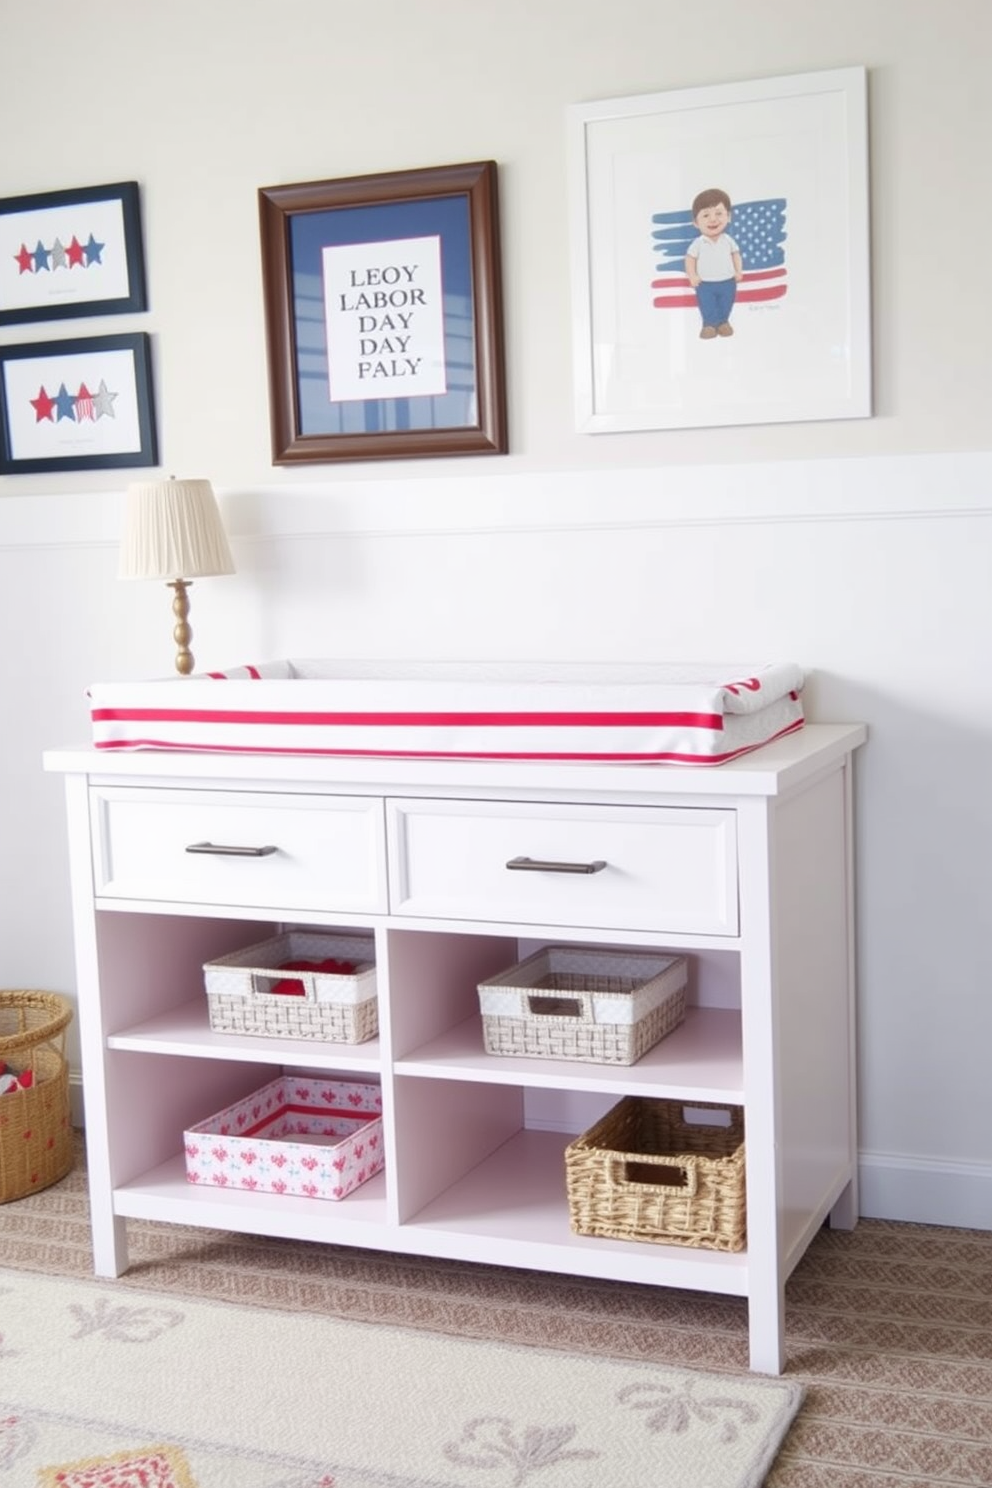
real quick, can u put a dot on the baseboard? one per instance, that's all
(76, 1098)
(925, 1190)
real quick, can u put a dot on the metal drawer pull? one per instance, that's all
(224, 850)
(538, 865)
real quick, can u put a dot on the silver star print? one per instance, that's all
(59, 259)
(103, 401)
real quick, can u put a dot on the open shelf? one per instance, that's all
(701, 1060)
(512, 1209)
(164, 1193)
(186, 1030)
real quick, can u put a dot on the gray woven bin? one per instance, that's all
(334, 1008)
(570, 1002)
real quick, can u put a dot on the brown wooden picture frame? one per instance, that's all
(383, 314)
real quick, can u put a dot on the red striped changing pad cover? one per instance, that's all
(695, 715)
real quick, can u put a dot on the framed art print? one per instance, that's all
(720, 260)
(70, 253)
(383, 315)
(81, 404)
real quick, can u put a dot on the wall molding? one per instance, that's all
(501, 501)
(76, 1099)
(926, 1190)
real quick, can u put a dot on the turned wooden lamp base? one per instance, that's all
(182, 632)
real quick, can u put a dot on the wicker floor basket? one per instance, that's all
(36, 1145)
(655, 1170)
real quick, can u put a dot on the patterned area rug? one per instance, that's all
(104, 1387)
(889, 1327)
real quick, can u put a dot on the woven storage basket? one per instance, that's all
(646, 1171)
(569, 1002)
(335, 1007)
(36, 1144)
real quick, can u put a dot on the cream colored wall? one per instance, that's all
(204, 103)
(860, 548)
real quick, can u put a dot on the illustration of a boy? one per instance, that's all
(713, 263)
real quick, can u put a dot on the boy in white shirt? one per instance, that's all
(713, 263)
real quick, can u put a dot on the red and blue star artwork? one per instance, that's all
(83, 404)
(74, 255)
(77, 407)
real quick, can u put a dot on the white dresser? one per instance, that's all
(746, 868)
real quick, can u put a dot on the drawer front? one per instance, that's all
(285, 852)
(618, 868)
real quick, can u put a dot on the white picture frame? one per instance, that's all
(792, 155)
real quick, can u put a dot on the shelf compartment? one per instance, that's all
(473, 1180)
(512, 1209)
(702, 1060)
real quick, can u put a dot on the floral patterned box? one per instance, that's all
(318, 1139)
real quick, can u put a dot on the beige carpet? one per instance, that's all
(888, 1327)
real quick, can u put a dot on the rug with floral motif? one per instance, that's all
(102, 1386)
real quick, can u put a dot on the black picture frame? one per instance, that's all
(87, 257)
(383, 312)
(78, 404)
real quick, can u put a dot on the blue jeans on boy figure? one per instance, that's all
(715, 298)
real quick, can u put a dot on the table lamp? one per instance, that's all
(173, 531)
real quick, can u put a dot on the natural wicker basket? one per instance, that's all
(579, 1002)
(36, 1145)
(336, 1007)
(646, 1171)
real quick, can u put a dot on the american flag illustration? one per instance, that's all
(84, 404)
(758, 228)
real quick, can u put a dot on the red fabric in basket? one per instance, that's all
(290, 987)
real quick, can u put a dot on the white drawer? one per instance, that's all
(615, 868)
(281, 852)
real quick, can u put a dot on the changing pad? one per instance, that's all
(686, 715)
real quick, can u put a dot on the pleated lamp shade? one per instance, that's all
(173, 530)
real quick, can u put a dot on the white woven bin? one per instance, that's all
(335, 1007)
(566, 1002)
